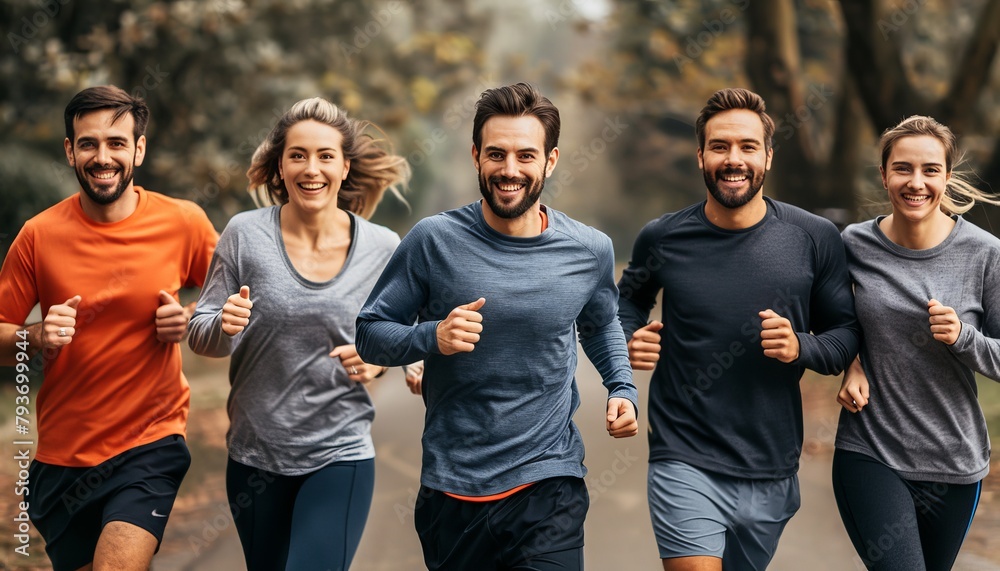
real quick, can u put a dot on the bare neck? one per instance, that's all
(918, 235)
(736, 218)
(527, 225)
(316, 229)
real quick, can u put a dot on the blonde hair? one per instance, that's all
(373, 170)
(960, 195)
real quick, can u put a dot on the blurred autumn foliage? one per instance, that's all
(834, 75)
(629, 77)
(216, 75)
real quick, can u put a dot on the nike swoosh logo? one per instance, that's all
(158, 515)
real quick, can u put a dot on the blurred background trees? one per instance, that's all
(629, 77)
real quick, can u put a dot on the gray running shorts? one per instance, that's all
(695, 512)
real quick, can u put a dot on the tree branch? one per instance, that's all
(958, 107)
(874, 60)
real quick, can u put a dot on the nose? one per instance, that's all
(509, 166)
(734, 156)
(312, 166)
(103, 156)
(916, 181)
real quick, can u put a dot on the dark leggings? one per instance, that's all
(897, 524)
(313, 521)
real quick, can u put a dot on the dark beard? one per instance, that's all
(733, 201)
(533, 191)
(96, 195)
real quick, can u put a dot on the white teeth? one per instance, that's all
(509, 187)
(734, 178)
(312, 186)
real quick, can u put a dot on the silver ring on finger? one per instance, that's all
(62, 332)
(354, 370)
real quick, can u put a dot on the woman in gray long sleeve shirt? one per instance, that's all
(282, 295)
(912, 445)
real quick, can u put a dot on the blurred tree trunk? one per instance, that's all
(877, 87)
(877, 65)
(875, 60)
(800, 173)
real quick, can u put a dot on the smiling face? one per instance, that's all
(313, 166)
(915, 177)
(104, 154)
(734, 160)
(512, 164)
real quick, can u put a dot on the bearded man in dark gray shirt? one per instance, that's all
(754, 292)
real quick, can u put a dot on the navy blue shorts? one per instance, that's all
(539, 528)
(70, 506)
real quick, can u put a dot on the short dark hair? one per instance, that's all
(515, 101)
(734, 98)
(107, 97)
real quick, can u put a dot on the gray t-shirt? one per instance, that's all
(292, 408)
(924, 419)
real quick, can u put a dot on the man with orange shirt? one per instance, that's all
(106, 265)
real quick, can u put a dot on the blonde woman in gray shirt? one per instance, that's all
(282, 296)
(912, 446)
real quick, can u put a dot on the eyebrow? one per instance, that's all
(303, 149)
(908, 163)
(747, 140)
(491, 148)
(91, 139)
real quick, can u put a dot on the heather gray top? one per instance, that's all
(923, 418)
(292, 408)
(501, 415)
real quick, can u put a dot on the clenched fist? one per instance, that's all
(236, 312)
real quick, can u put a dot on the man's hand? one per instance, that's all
(171, 319)
(644, 348)
(854, 393)
(59, 324)
(236, 312)
(357, 370)
(414, 376)
(777, 337)
(621, 418)
(459, 332)
(945, 324)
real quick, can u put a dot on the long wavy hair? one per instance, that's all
(374, 168)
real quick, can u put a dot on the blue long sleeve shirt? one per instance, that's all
(716, 401)
(500, 415)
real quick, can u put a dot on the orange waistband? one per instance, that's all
(491, 498)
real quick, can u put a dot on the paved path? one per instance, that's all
(618, 531)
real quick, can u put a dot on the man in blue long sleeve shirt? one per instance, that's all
(499, 291)
(754, 292)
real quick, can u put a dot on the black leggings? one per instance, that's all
(897, 524)
(300, 523)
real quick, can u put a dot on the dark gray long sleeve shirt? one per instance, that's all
(501, 415)
(715, 401)
(292, 408)
(923, 418)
